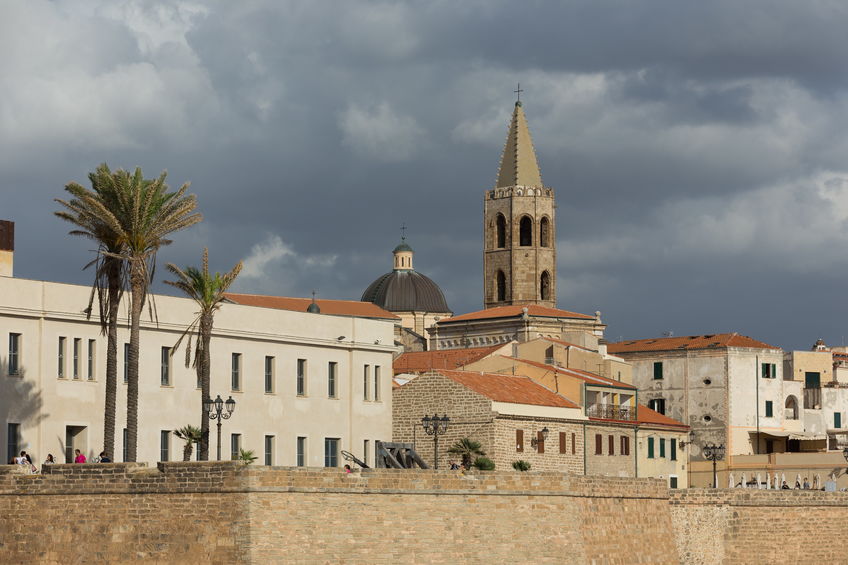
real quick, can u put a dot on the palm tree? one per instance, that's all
(246, 456)
(191, 435)
(208, 291)
(89, 210)
(147, 214)
(468, 449)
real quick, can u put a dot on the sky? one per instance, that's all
(697, 149)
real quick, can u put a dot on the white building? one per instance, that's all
(307, 385)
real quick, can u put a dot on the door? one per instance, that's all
(74, 439)
(812, 380)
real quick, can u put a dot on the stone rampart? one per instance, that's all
(230, 513)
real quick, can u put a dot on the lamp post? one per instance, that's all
(534, 441)
(435, 427)
(215, 410)
(713, 452)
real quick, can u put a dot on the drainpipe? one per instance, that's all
(584, 450)
(757, 376)
(636, 450)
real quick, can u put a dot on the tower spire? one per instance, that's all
(519, 166)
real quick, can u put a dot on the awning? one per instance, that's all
(800, 436)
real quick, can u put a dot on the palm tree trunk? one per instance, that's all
(138, 286)
(187, 451)
(205, 387)
(114, 298)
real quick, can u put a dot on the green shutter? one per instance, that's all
(769, 409)
(662, 447)
(650, 448)
(837, 419)
(673, 449)
(658, 369)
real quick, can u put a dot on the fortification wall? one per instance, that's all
(229, 513)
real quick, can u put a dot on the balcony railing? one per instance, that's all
(812, 398)
(611, 412)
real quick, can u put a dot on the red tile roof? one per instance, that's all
(509, 388)
(419, 361)
(353, 308)
(645, 415)
(708, 341)
(514, 311)
(589, 377)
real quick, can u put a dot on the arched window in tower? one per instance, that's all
(525, 237)
(545, 286)
(545, 232)
(500, 223)
(501, 286)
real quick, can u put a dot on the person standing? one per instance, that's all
(80, 458)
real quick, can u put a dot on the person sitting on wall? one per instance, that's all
(784, 486)
(347, 469)
(104, 457)
(80, 458)
(49, 460)
(797, 485)
(806, 483)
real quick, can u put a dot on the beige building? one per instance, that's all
(306, 385)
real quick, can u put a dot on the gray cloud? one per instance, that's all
(697, 149)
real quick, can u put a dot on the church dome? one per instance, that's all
(404, 289)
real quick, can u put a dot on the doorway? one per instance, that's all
(75, 438)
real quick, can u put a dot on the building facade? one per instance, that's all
(306, 385)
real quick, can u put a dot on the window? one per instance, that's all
(673, 442)
(366, 451)
(236, 371)
(650, 448)
(672, 481)
(301, 452)
(269, 374)
(540, 442)
(574, 443)
(812, 379)
(500, 227)
(791, 408)
(60, 369)
(562, 443)
(837, 420)
(769, 370)
(126, 364)
(76, 359)
(301, 377)
(501, 286)
(165, 370)
(13, 440)
(525, 228)
(125, 441)
(366, 382)
(14, 354)
(657, 405)
(164, 445)
(92, 345)
(611, 444)
(658, 370)
(545, 286)
(662, 447)
(769, 409)
(519, 441)
(599, 444)
(235, 445)
(376, 383)
(625, 445)
(331, 452)
(332, 369)
(544, 232)
(269, 450)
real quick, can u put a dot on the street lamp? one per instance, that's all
(435, 427)
(219, 414)
(534, 441)
(713, 452)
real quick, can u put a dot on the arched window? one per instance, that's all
(545, 286)
(501, 231)
(525, 237)
(791, 408)
(544, 232)
(501, 286)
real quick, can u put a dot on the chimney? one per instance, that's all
(7, 247)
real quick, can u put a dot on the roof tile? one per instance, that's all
(707, 341)
(509, 388)
(353, 308)
(516, 310)
(418, 361)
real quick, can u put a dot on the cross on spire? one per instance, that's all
(518, 91)
(403, 232)
(313, 295)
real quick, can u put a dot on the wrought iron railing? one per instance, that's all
(611, 412)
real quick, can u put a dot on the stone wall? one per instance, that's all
(230, 513)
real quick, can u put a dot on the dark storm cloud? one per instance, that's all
(696, 148)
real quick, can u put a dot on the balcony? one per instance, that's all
(812, 398)
(611, 412)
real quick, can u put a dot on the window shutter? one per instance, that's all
(837, 419)
(599, 444)
(650, 448)
(519, 441)
(673, 449)
(540, 442)
(611, 445)
(574, 443)
(562, 445)
(662, 447)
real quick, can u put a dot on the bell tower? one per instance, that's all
(519, 247)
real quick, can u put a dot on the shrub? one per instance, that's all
(521, 465)
(484, 464)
